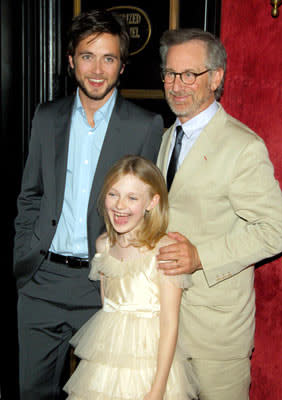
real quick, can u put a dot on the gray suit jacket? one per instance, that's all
(225, 199)
(131, 130)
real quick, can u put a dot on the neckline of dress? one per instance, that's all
(130, 259)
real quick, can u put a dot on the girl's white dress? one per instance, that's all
(118, 346)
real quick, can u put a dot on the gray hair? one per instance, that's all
(216, 53)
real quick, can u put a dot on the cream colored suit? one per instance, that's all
(225, 200)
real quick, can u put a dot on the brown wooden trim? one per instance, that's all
(173, 14)
(142, 93)
(76, 7)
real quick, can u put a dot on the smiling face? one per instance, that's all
(126, 203)
(97, 66)
(186, 101)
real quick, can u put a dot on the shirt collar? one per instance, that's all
(199, 121)
(102, 113)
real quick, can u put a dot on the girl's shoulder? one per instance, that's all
(164, 241)
(102, 243)
(98, 261)
(183, 281)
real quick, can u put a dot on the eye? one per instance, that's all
(133, 198)
(169, 74)
(111, 194)
(86, 57)
(109, 60)
(188, 74)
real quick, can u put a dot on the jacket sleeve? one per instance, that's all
(256, 199)
(29, 199)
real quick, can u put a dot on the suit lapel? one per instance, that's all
(198, 157)
(112, 142)
(164, 150)
(61, 146)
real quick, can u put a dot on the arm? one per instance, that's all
(253, 197)
(100, 247)
(31, 193)
(102, 288)
(170, 297)
(256, 199)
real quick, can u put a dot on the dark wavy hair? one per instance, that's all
(97, 22)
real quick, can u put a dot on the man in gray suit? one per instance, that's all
(73, 143)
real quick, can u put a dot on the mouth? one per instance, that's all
(120, 218)
(179, 97)
(96, 82)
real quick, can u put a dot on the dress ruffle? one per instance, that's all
(112, 267)
(125, 384)
(121, 365)
(127, 336)
(104, 263)
(118, 346)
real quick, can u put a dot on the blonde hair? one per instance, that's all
(155, 221)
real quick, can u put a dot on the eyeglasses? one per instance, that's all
(187, 77)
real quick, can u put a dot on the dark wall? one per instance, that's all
(12, 156)
(27, 77)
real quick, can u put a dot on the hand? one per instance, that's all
(179, 258)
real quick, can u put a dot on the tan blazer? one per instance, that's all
(224, 198)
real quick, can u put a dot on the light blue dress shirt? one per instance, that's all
(192, 130)
(85, 145)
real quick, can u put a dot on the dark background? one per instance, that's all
(33, 70)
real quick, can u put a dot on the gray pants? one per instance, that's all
(51, 308)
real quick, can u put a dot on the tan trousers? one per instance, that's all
(223, 380)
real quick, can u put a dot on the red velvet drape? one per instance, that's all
(253, 94)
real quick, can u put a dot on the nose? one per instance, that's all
(120, 204)
(97, 66)
(177, 84)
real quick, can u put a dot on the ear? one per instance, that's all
(71, 62)
(122, 69)
(216, 78)
(153, 202)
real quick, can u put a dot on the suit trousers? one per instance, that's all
(51, 308)
(223, 380)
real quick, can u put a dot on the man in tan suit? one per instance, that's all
(225, 210)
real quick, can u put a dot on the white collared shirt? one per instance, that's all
(192, 129)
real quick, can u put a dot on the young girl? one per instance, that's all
(128, 349)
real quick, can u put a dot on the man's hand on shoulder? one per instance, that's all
(180, 257)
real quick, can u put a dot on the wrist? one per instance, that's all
(157, 392)
(155, 395)
(199, 266)
(198, 263)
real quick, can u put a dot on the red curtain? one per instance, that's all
(253, 94)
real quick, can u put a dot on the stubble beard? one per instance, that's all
(100, 96)
(191, 110)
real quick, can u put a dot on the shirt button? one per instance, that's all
(86, 162)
